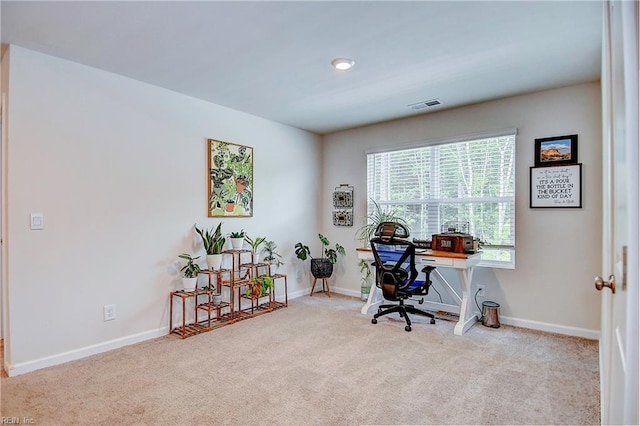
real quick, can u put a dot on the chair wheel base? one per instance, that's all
(407, 328)
(433, 321)
(374, 321)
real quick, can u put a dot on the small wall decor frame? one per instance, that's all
(230, 179)
(556, 150)
(556, 186)
(343, 205)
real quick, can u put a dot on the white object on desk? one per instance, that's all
(464, 266)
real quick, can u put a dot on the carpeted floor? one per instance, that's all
(320, 362)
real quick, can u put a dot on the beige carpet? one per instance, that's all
(319, 362)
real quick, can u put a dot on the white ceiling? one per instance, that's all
(272, 59)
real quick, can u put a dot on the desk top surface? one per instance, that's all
(435, 253)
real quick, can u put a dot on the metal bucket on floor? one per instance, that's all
(491, 314)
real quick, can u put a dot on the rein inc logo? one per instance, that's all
(17, 421)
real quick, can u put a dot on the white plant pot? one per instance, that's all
(237, 243)
(189, 284)
(214, 261)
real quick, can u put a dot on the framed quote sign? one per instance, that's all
(556, 186)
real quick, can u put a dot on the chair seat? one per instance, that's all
(413, 286)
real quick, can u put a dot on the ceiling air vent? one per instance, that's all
(425, 104)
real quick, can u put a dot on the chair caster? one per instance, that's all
(407, 328)
(374, 321)
(433, 321)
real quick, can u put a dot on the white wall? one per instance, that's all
(558, 250)
(119, 170)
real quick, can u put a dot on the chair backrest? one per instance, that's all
(394, 259)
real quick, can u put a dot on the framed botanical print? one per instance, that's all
(230, 179)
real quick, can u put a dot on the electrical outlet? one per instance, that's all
(109, 312)
(480, 290)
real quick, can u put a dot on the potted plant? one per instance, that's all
(365, 280)
(366, 231)
(254, 243)
(237, 239)
(271, 255)
(213, 242)
(216, 297)
(259, 286)
(189, 272)
(321, 267)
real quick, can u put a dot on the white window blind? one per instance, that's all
(470, 181)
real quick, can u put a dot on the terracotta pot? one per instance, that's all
(241, 184)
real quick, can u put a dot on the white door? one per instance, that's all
(619, 327)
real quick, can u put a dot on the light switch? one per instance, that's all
(37, 221)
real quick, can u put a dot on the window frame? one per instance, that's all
(509, 249)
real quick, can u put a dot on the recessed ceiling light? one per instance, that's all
(343, 64)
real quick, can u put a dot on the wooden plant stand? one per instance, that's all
(230, 284)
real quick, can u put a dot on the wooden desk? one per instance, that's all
(463, 263)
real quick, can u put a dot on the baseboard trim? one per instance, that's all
(29, 366)
(299, 293)
(347, 292)
(338, 290)
(551, 328)
(517, 322)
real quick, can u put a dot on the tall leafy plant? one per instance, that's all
(271, 255)
(254, 243)
(212, 240)
(375, 218)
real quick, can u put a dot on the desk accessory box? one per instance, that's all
(453, 238)
(452, 242)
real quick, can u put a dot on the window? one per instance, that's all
(467, 180)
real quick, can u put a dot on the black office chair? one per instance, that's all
(396, 273)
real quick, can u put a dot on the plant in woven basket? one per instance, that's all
(259, 286)
(321, 267)
(330, 253)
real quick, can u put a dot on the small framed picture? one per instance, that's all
(556, 150)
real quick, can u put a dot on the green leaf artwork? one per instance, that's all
(230, 179)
